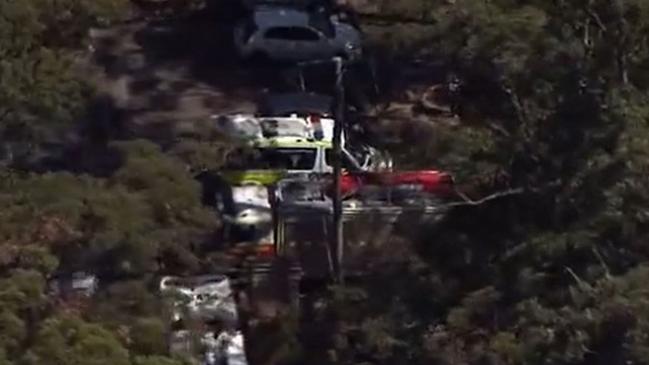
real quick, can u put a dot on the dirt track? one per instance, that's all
(170, 75)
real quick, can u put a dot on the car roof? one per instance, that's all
(280, 16)
(296, 4)
(285, 103)
(249, 127)
(286, 16)
(290, 127)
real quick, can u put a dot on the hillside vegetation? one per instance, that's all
(553, 118)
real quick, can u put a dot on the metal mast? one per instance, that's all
(337, 222)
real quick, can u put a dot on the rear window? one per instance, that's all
(271, 159)
(292, 34)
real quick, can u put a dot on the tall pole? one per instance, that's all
(339, 104)
(336, 242)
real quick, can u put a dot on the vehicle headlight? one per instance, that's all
(247, 216)
(252, 217)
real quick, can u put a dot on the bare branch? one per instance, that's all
(500, 129)
(500, 194)
(521, 114)
(587, 41)
(429, 99)
(595, 17)
(514, 191)
(580, 282)
(4, 114)
(607, 271)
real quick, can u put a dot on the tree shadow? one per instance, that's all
(199, 43)
(180, 68)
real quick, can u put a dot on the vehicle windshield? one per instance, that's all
(283, 127)
(292, 34)
(283, 158)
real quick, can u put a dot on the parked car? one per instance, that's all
(297, 4)
(206, 297)
(308, 105)
(423, 187)
(287, 34)
(224, 347)
(76, 284)
(399, 187)
(269, 160)
(295, 144)
(344, 11)
(247, 127)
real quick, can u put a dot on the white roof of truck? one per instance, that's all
(250, 127)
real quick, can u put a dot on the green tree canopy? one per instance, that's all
(40, 92)
(69, 340)
(553, 98)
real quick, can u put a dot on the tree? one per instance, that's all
(39, 91)
(68, 340)
(123, 227)
(155, 360)
(543, 275)
(140, 215)
(148, 336)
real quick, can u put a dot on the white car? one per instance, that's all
(225, 347)
(291, 35)
(228, 347)
(303, 115)
(205, 297)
